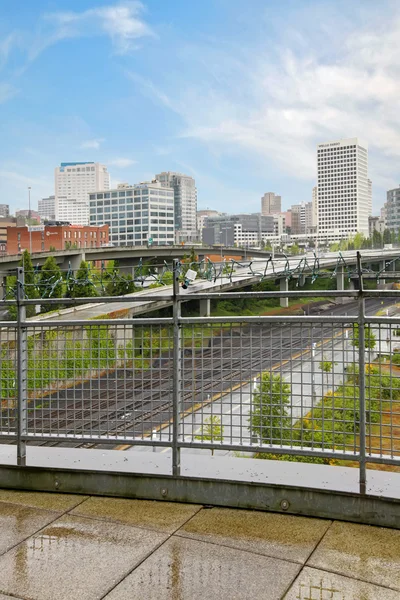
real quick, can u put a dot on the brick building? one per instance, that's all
(5, 223)
(56, 237)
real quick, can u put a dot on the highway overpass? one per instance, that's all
(242, 276)
(128, 255)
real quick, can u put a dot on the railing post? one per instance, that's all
(22, 370)
(361, 359)
(177, 372)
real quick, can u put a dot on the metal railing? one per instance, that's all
(321, 388)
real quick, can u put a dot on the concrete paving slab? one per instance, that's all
(159, 516)
(19, 522)
(74, 558)
(316, 584)
(194, 570)
(279, 536)
(57, 502)
(362, 551)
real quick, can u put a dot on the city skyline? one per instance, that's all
(326, 73)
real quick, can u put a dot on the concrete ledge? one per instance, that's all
(294, 488)
(367, 509)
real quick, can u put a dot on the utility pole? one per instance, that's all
(29, 220)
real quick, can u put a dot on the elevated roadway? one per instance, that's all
(127, 255)
(279, 269)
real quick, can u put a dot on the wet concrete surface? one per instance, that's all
(62, 547)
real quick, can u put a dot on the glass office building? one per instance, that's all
(136, 214)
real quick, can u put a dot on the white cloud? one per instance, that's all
(94, 144)
(121, 163)
(122, 22)
(287, 98)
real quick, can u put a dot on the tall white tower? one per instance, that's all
(73, 183)
(344, 203)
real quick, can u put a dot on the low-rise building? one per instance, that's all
(202, 216)
(5, 223)
(28, 214)
(240, 230)
(137, 214)
(375, 224)
(4, 210)
(57, 236)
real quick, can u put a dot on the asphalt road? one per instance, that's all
(132, 403)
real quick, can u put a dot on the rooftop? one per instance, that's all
(58, 546)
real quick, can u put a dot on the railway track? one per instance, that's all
(131, 403)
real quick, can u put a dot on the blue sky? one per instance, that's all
(235, 93)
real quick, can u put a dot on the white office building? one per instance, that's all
(47, 208)
(185, 198)
(72, 211)
(136, 214)
(73, 183)
(344, 203)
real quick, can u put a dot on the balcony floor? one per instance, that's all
(59, 546)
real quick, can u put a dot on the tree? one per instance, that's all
(212, 431)
(358, 240)
(121, 285)
(82, 286)
(30, 289)
(370, 339)
(326, 367)
(269, 420)
(294, 249)
(387, 238)
(376, 239)
(51, 283)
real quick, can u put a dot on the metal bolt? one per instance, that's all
(285, 504)
(164, 492)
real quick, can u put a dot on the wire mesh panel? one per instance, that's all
(8, 387)
(382, 351)
(271, 386)
(99, 381)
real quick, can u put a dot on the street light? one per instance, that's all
(29, 219)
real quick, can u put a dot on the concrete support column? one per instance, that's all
(284, 287)
(340, 281)
(205, 307)
(382, 266)
(3, 289)
(73, 260)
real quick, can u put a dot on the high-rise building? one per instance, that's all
(314, 200)
(298, 219)
(72, 211)
(47, 208)
(185, 199)
(370, 197)
(4, 210)
(137, 214)
(271, 204)
(343, 191)
(73, 183)
(392, 210)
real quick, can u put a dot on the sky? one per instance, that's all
(236, 94)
